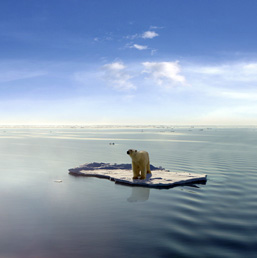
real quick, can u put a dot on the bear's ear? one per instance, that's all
(135, 150)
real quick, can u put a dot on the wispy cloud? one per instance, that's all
(237, 114)
(149, 34)
(13, 75)
(132, 37)
(139, 47)
(117, 76)
(153, 52)
(156, 27)
(235, 81)
(240, 95)
(243, 72)
(86, 78)
(165, 74)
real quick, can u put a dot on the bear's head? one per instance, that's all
(131, 152)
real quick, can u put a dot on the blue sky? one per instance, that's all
(128, 62)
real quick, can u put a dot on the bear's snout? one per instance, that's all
(127, 152)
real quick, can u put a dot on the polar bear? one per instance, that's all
(140, 163)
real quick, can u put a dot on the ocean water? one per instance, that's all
(91, 217)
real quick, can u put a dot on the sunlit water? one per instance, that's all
(90, 217)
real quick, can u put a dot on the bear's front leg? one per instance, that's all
(136, 170)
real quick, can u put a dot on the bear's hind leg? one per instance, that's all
(143, 173)
(148, 168)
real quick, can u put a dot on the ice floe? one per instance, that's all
(122, 174)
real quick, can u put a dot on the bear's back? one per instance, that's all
(142, 155)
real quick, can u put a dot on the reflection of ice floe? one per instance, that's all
(122, 174)
(139, 194)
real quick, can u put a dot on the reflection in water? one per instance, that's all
(139, 194)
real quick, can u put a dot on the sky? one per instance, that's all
(147, 62)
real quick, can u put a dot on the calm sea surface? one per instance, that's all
(90, 217)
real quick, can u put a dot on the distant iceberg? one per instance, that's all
(122, 174)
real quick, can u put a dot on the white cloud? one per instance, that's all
(139, 47)
(118, 77)
(165, 74)
(116, 66)
(149, 34)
